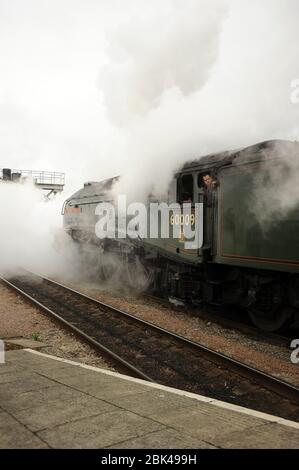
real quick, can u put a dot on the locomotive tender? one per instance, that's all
(250, 252)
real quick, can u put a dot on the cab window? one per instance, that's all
(200, 182)
(207, 174)
(185, 189)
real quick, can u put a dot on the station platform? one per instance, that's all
(49, 402)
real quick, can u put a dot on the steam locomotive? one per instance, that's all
(248, 253)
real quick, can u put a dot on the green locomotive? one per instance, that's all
(248, 253)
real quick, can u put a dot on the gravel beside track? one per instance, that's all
(160, 356)
(19, 319)
(256, 352)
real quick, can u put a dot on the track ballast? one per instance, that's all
(154, 354)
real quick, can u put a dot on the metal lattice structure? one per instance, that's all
(51, 181)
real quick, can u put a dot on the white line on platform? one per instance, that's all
(201, 398)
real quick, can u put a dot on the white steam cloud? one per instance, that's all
(194, 77)
(30, 235)
(179, 79)
(176, 47)
(276, 193)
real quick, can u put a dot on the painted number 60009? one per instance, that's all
(182, 219)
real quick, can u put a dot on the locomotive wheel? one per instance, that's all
(268, 312)
(138, 275)
(275, 320)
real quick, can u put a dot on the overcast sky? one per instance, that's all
(92, 87)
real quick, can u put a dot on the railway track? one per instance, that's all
(157, 355)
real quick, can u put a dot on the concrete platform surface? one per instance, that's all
(49, 402)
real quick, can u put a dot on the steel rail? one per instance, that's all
(262, 379)
(129, 367)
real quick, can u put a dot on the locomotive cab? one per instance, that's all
(192, 189)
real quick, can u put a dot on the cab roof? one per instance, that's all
(220, 159)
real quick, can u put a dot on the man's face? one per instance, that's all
(208, 180)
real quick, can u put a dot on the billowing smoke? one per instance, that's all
(194, 77)
(32, 238)
(180, 78)
(275, 192)
(174, 48)
(157, 62)
(30, 235)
